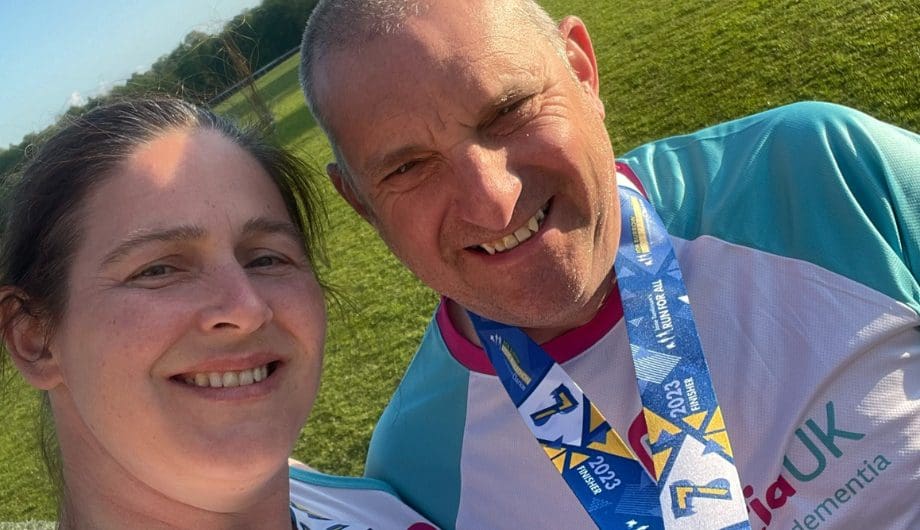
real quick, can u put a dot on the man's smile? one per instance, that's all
(519, 235)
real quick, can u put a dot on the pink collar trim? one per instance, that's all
(562, 348)
(626, 171)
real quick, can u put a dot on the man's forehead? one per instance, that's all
(400, 81)
(413, 106)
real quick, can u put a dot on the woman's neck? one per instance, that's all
(102, 493)
(87, 506)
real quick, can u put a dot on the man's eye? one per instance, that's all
(403, 169)
(514, 106)
(512, 116)
(510, 108)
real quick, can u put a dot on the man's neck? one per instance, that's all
(461, 320)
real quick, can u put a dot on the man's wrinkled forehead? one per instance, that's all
(402, 76)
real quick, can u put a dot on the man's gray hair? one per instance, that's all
(337, 25)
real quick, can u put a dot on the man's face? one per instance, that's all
(481, 157)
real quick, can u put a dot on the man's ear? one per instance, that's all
(26, 341)
(346, 189)
(580, 54)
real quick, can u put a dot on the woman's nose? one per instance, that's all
(234, 303)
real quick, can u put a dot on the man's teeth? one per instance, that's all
(227, 379)
(519, 236)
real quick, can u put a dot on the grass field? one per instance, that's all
(668, 68)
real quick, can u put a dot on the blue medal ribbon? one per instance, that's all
(599, 468)
(698, 485)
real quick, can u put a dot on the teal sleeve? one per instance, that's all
(416, 446)
(810, 181)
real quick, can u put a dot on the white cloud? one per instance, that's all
(76, 99)
(102, 88)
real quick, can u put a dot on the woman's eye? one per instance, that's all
(265, 261)
(154, 271)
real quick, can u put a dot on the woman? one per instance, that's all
(158, 288)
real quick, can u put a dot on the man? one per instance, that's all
(471, 136)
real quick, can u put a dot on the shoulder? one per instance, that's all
(791, 135)
(809, 181)
(826, 139)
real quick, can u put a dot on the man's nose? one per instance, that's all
(233, 303)
(487, 189)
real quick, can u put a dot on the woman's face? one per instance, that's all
(191, 345)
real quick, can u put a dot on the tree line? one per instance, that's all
(202, 66)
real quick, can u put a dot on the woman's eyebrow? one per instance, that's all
(143, 237)
(192, 232)
(270, 226)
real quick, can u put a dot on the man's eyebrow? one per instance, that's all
(143, 237)
(270, 226)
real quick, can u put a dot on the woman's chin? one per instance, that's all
(220, 481)
(244, 461)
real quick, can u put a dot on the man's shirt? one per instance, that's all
(797, 232)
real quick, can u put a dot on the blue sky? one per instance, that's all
(56, 52)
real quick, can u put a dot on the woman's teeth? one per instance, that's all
(518, 236)
(227, 379)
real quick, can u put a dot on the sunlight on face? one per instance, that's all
(482, 160)
(190, 349)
